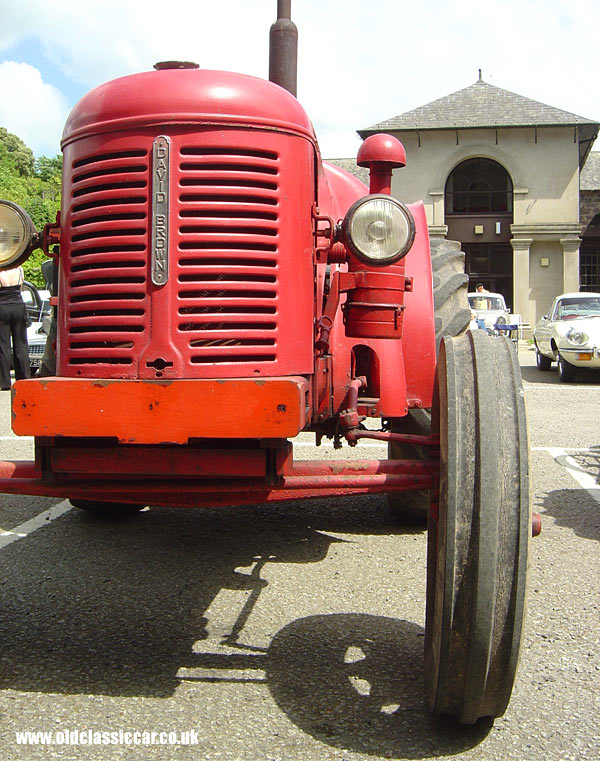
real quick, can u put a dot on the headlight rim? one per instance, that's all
(30, 238)
(378, 262)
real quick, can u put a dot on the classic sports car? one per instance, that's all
(489, 312)
(569, 334)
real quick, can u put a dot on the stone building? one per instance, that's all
(589, 216)
(501, 173)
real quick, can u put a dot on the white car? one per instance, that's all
(37, 301)
(569, 334)
(491, 314)
(37, 333)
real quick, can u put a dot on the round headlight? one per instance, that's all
(576, 337)
(379, 229)
(18, 235)
(501, 320)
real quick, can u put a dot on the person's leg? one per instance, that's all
(19, 342)
(5, 349)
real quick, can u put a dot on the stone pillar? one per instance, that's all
(570, 247)
(520, 303)
(437, 228)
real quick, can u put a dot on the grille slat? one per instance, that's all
(223, 220)
(107, 283)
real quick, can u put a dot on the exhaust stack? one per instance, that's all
(283, 48)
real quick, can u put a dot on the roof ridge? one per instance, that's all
(480, 104)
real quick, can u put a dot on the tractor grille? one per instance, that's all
(238, 298)
(106, 299)
(228, 254)
(223, 295)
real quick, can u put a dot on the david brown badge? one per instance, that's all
(160, 210)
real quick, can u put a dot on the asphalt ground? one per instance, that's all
(289, 632)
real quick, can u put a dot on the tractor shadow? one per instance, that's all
(355, 681)
(577, 509)
(121, 608)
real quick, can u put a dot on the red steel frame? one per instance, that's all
(307, 479)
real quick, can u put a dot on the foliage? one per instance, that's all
(21, 155)
(35, 185)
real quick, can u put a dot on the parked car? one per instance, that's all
(37, 302)
(37, 333)
(569, 334)
(490, 313)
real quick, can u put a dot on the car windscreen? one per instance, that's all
(485, 301)
(576, 307)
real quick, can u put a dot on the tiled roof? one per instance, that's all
(479, 105)
(590, 174)
(350, 165)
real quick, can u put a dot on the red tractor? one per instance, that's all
(221, 289)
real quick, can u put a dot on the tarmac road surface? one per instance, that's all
(288, 632)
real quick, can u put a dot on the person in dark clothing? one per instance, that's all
(13, 325)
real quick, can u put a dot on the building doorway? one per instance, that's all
(479, 213)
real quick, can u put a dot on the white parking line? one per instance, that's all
(583, 478)
(41, 520)
(565, 449)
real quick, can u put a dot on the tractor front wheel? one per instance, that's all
(479, 533)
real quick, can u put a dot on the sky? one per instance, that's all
(360, 61)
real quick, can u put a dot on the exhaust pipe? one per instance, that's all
(283, 48)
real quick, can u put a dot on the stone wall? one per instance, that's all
(589, 206)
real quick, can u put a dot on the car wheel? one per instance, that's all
(566, 371)
(542, 361)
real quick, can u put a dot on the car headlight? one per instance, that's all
(379, 229)
(18, 236)
(501, 320)
(576, 337)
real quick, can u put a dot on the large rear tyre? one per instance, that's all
(450, 287)
(478, 537)
(410, 506)
(452, 317)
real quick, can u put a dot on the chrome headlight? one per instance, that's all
(379, 229)
(501, 320)
(576, 337)
(18, 236)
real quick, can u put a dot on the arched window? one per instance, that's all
(479, 186)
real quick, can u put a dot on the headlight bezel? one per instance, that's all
(29, 241)
(355, 246)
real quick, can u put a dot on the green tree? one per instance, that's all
(22, 155)
(49, 170)
(33, 184)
